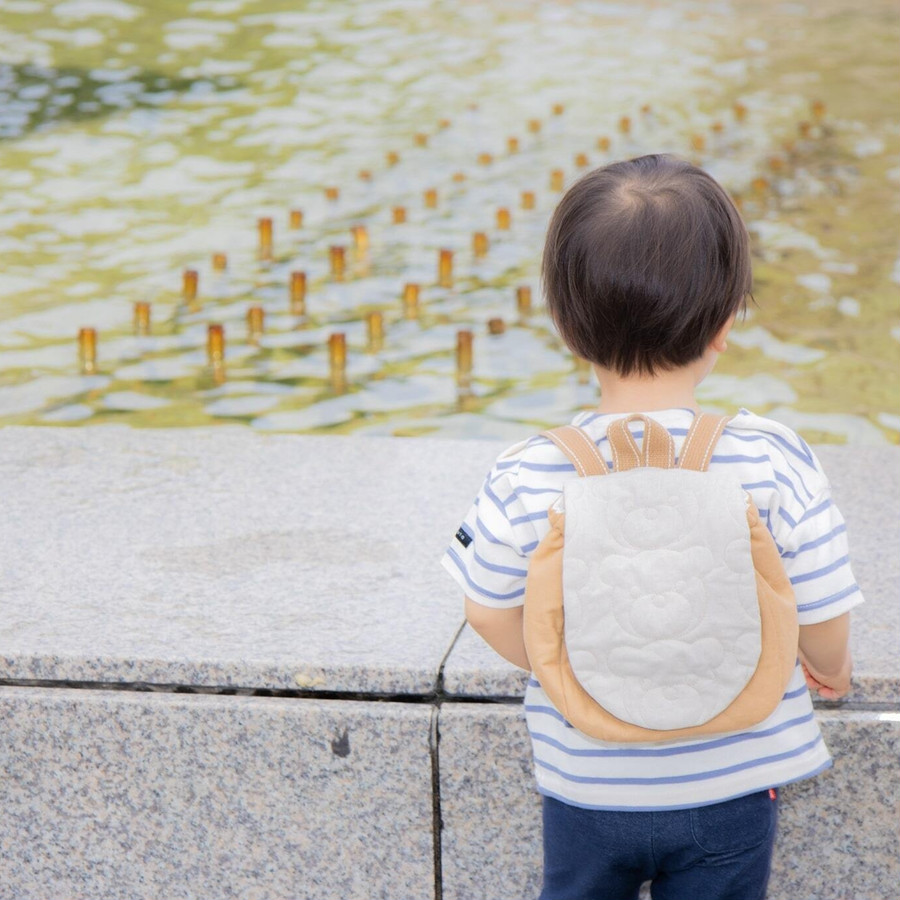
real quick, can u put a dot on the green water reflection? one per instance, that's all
(139, 138)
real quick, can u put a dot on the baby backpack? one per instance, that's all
(657, 606)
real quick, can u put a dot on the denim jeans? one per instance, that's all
(717, 852)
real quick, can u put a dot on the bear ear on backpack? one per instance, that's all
(678, 630)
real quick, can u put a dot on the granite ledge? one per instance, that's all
(225, 558)
(215, 676)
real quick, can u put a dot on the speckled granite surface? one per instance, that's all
(223, 557)
(491, 840)
(125, 796)
(839, 834)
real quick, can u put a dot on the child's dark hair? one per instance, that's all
(645, 261)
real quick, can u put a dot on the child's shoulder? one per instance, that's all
(536, 453)
(749, 426)
(748, 436)
(785, 449)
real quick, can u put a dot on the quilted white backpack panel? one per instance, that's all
(662, 620)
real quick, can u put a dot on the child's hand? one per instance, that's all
(828, 687)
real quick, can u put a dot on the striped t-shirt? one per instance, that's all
(489, 561)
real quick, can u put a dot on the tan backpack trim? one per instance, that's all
(657, 450)
(702, 436)
(544, 622)
(578, 447)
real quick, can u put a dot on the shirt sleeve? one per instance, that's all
(816, 558)
(488, 556)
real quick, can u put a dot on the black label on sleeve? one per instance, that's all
(463, 536)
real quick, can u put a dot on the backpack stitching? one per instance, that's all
(686, 446)
(573, 456)
(707, 454)
(615, 455)
(632, 443)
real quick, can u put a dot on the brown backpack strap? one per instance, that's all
(579, 448)
(697, 450)
(657, 448)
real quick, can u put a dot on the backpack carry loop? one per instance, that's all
(657, 449)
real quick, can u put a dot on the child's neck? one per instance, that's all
(666, 390)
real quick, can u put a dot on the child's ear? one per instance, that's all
(718, 342)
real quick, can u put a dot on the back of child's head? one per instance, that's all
(645, 262)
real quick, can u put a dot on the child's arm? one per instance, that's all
(501, 629)
(825, 655)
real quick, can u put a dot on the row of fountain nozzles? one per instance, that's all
(255, 314)
(87, 337)
(337, 347)
(398, 215)
(338, 259)
(298, 287)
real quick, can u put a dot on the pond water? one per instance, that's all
(138, 139)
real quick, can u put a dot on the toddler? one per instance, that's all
(645, 268)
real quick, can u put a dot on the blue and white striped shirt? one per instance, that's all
(509, 518)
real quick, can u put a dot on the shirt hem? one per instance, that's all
(603, 807)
